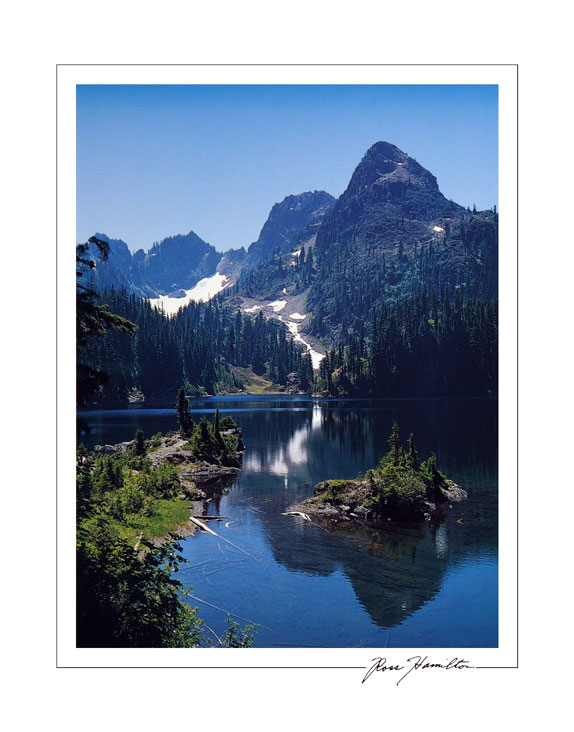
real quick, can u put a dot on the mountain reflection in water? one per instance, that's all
(402, 585)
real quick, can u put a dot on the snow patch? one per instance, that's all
(278, 305)
(254, 309)
(297, 316)
(205, 289)
(437, 228)
(316, 357)
(296, 253)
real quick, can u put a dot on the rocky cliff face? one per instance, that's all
(285, 222)
(178, 262)
(231, 263)
(390, 199)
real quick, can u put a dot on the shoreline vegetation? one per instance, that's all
(400, 488)
(135, 501)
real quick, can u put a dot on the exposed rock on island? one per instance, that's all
(399, 489)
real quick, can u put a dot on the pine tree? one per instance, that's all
(92, 320)
(393, 442)
(183, 413)
(413, 454)
(216, 430)
(139, 446)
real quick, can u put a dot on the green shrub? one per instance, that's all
(227, 423)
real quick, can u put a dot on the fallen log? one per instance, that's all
(201, 525)
(304, 516)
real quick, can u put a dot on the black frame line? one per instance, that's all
(231, 668)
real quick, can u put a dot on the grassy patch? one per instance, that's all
(169, 515)
(253, 383)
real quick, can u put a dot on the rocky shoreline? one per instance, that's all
(338, 501)
(400, 488)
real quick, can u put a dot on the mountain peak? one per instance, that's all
(386, 149)
(385, 165)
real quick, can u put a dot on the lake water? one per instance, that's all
(404, 586)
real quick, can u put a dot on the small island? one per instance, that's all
(400, 488)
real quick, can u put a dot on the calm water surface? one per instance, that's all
(405, 586)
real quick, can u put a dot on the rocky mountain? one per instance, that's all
(179, 262)
(286, 221)
(391, 289)
(170, 267)
(392, 235)
(121, 269)
(174, 266)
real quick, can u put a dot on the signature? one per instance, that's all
(414, 663)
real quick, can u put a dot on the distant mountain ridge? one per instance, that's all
(176, 263)
(179, 262)
(390, 236)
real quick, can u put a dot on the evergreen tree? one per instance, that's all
(217, 431)
(413, 454)
(183, 413)
(393, 443)
(139, 446)
(92, 320)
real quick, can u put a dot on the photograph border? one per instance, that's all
(65, 655)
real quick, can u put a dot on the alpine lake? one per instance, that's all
(404, 586)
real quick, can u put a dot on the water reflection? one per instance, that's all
(422, 581)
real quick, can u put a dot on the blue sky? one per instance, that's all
(153, 161)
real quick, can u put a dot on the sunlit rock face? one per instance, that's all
(286, 221)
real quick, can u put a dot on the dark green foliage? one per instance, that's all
(217, 432)
(161, 481)
(128, 597)
(93, 320)
(400, 473)
(399, 488)
(217, 442)
(413, 454)
(227, 423)
(236, 637)
(197, 347)
(279, 271)
(139, 444)
(423, 347)
(393, 442)
(203, 443)
(183, 413)
(125, 599)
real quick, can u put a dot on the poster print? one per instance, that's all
(288, 356)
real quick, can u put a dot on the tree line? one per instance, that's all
(198, 347)
(426, 346)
